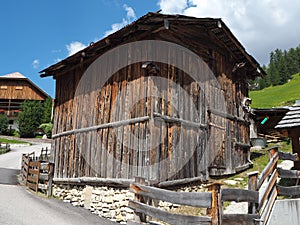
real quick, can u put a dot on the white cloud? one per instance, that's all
(130, 16)
(260, 25)
(173, 6)
(35, 63)
(75, 47)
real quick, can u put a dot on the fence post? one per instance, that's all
(27, 173)
(50, 178)
(216, 210)
(38, 176)
(252, 185)
(140, 217)
(272, 152)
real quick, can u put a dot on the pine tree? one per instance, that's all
(30, 117)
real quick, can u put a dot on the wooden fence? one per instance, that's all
(261, 195)
(37, 174)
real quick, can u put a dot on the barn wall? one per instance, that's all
(19, 89)
(221, 147)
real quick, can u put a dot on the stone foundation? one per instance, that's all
(107, 202)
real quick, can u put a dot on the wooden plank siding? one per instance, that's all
(183, 137)
(19, 90)
(107, 152)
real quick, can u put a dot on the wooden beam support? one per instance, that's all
(102, 126)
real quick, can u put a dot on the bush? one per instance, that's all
(3, 124)
(10, 132)
(47, 128)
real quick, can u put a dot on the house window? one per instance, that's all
(19, 88)
(3, 87)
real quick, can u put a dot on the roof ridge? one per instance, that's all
(14, 75)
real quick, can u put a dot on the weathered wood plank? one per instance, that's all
(102, 126)
(288, 191)
(268, 170)
(179, 182)
(269, 186)
(167, 216)
(239, 195)
(33, 178)
(32, 186)
(181, 121)
(33, 171)
(288, 156)
(196, 199)
(33, 163)
(239, 219)
(288, 173)
(118, 182)
(266, 211)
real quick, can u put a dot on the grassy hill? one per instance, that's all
(281, 95)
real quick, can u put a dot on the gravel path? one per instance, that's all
(19, 206)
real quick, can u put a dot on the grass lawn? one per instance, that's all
(8, 141)
(275, 96)
(260, 159)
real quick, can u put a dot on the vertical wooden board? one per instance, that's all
(155, 134)
(124, 134)
(119, 130)
(187, 133)
(98, 158)
(169, 112)
(106, 118)
(71, 156)
(127, 149)
(88, 154)
(164, 128)
(111, 131)
(61, 157)
(143, 126)
(81, 168)
(56, 158)
(181, 128)
(76, 156)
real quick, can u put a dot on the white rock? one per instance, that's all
(231, 182)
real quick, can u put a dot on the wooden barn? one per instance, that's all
(15, 88)
(164, 98)
(290, 124)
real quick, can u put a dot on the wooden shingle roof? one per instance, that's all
(152, 23)
(291, 119)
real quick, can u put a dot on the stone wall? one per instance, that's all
(108, 202)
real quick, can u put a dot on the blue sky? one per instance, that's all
(36, 34)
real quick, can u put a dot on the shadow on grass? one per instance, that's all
(255, 155)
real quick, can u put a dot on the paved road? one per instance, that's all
(18, 206)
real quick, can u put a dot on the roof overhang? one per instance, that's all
(153, 22)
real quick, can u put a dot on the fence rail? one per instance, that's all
(261, 195)
(37, 174)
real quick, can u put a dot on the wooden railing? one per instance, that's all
(261, 195)
(37, 174)
(144, 194)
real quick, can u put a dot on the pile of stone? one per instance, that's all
(108, 202)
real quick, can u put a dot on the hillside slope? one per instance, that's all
(275, 96)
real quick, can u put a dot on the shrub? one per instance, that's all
(47, 128)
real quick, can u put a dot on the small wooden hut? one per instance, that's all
(173, 109)
(291, 124)
(15, 88)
